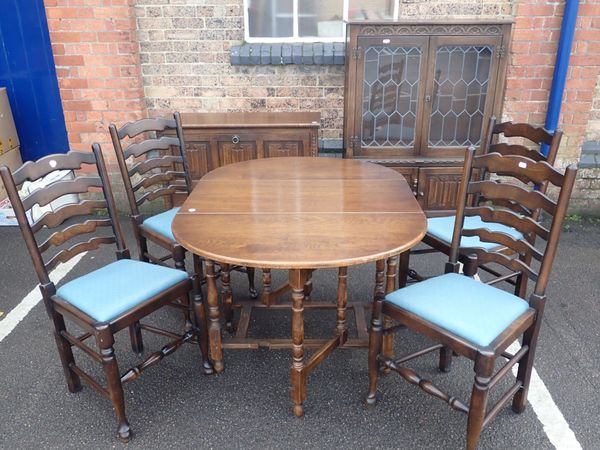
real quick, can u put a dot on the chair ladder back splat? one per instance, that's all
(525, 229)
(158, 164)
(509, 144)
(86, 208)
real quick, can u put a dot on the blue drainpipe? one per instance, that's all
(567, 31)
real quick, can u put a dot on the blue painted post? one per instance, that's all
(567, 31)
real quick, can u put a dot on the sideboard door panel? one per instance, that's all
(274, 149)
(197, 156)
(438, 187)
(229, 152)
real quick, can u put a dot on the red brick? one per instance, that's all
(527, 9)
(68, 60)
(58, 49)
(66, 37)
(589, 9)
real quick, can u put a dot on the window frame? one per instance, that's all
(295, 18)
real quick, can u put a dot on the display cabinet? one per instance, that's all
(417, 94)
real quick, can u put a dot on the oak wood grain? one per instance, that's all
(300, 213)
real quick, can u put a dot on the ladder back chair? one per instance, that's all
(466, 317)
(156, 168)
(528, 143)
(109, 299)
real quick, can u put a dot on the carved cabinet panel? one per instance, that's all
(197, 156)
(438, 187)
(216, 139)
(232, 152)
(274, 149)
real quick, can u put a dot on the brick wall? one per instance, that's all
(535, 40)
(118, 59)
(185, 66)
(185, 61)
(97, 63)
(593, 129)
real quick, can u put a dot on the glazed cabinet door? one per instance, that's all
(460, 93)
(438, 187)
(389, 83)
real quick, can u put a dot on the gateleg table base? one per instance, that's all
(297, 281)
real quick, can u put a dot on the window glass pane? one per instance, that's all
(270, 18)
(319, 18)
(370, 9)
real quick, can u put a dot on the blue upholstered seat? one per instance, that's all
(459, 304)
(111, 290)
(443, 227)
(161, 223)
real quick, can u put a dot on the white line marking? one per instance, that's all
(19, 312)
(555, 426)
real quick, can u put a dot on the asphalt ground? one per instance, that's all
(174, 406)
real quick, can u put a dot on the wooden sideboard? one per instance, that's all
(216, 139)
(418, 93)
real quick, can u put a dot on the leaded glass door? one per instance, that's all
(390, 84)
(459, 95)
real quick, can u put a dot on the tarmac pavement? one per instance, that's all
(174, 406)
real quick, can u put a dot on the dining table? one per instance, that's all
(299, 214)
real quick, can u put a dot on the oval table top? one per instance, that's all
(300, 212)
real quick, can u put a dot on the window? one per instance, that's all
(310, 20)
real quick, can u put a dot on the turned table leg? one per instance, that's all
(227, 297)
(297, 279)
(214, 327)
(390, 286)
(342, 301)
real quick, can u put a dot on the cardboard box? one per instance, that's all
(12, 159)
(8, 133)
(7, 215)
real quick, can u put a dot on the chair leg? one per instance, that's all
(484, 367)
(143, 247)
(135, 334)
(105, 342)
(179, 257)
(525, 369)
(251, 286)
(266, 290)
(65, 353)
(375, 344)
(470, 267)
(521, 286)
(445, 359)
(201, 326)
(390, 286)
(308, 287)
